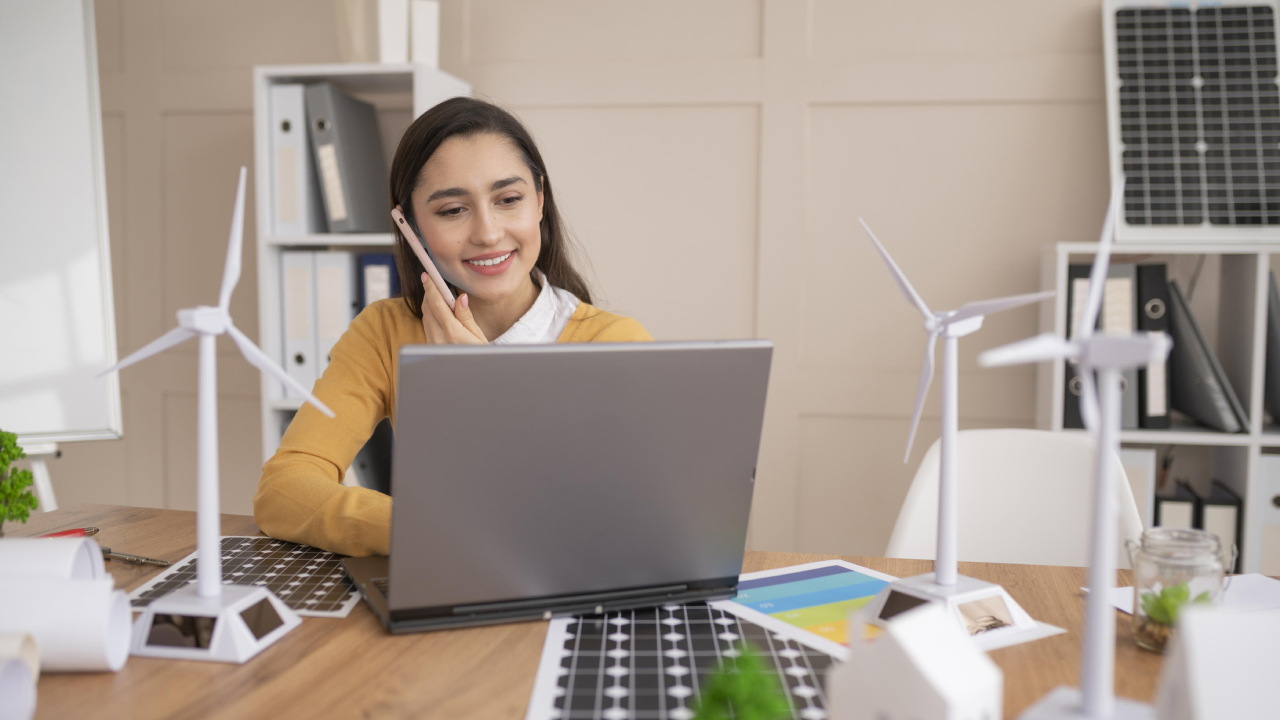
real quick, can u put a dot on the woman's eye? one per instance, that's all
(512, 200)
(449, 212)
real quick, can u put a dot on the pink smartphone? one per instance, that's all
(421, 251)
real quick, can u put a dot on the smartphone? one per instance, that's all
(420, 250)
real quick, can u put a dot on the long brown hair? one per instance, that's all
(467, 117)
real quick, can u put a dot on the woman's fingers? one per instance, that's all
(462, 311)
(441, 325)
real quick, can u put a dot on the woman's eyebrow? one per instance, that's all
(499, 184)
(459, 192)
(448, 192)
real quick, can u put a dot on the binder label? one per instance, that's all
(298, 302)
(335, 201)
(332, 302)
(287, 184)
(1157, 403)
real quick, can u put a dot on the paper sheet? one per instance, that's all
(72, 558)
(1245, 593)
(823, 614)
(17, 690)
(19, 671)
(79, 625)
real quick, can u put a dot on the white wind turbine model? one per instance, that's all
(944, 585)
(1108, 355)
(211, 621)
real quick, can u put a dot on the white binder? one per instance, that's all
(295, 189)
(298, 275)
(335, 301)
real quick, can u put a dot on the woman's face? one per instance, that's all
(479, 214)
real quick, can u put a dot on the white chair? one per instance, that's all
(1025, 497)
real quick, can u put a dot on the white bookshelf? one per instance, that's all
(392, 89)
(1241, 348)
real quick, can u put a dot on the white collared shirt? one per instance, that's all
(545, 321)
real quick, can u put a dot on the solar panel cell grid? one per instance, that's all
(1199, 112)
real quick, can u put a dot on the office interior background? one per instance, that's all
(712, 158)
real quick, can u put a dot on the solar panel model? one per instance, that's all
(1193, 111)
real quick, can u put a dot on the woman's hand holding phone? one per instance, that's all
(448, 327)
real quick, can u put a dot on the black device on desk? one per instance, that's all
(541, 480)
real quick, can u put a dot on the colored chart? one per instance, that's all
(817, 597)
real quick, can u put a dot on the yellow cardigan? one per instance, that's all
(301, 496)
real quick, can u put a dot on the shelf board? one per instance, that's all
(326, 239)
(1271, 435)
(1167, 248)
(357, 77)
(1184, 434)
(284, 404)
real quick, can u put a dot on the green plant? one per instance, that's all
(1163, 607)
(16, 501)
(747, 691)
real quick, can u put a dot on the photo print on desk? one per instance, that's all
(310, 581)
(651, 664)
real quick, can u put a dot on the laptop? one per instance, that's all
(545, 480)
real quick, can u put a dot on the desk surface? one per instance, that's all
(351, 668)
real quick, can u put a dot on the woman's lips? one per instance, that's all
(500, 263)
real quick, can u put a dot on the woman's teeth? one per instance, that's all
(492, 261)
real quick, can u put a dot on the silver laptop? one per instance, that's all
(543, 480)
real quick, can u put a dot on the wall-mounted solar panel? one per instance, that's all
(1193, 105)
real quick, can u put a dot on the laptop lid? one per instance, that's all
(539, 471)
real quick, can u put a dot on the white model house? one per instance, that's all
(1220, 664)
(922, 667)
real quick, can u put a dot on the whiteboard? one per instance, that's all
(57, 324)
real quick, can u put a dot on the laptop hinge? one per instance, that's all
(585, 598)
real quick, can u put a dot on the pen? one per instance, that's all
(135, 559)
(74, 532)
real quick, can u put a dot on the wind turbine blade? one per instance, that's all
(259, 359)
(159, 345)
(987, 307)
(231, 274)
(904, 285)
(1032, 350)
(1089, 410)
(922, 391)
(1101, 261)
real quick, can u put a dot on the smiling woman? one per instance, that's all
(474, 188)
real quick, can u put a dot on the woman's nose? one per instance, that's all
(488, 231)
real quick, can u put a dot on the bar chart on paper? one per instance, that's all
(817, 597)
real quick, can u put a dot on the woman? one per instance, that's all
(468, 176)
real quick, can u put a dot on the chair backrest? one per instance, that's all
(1024, 497)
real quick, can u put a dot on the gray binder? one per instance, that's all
(1272, 384)
(347, 147)
(1199, 386)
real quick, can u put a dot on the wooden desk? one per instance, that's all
(351, 668)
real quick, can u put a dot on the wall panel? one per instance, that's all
(203, 155)
(515, 31)
(662, 201)
(199, 35)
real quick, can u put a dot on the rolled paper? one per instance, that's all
(17, 690)
(72, 558)
(23, 647)
(80, 625)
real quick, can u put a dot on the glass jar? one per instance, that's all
(1171, 568)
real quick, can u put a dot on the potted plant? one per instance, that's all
(16, 501)
(748, 691)
(1159, 613)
